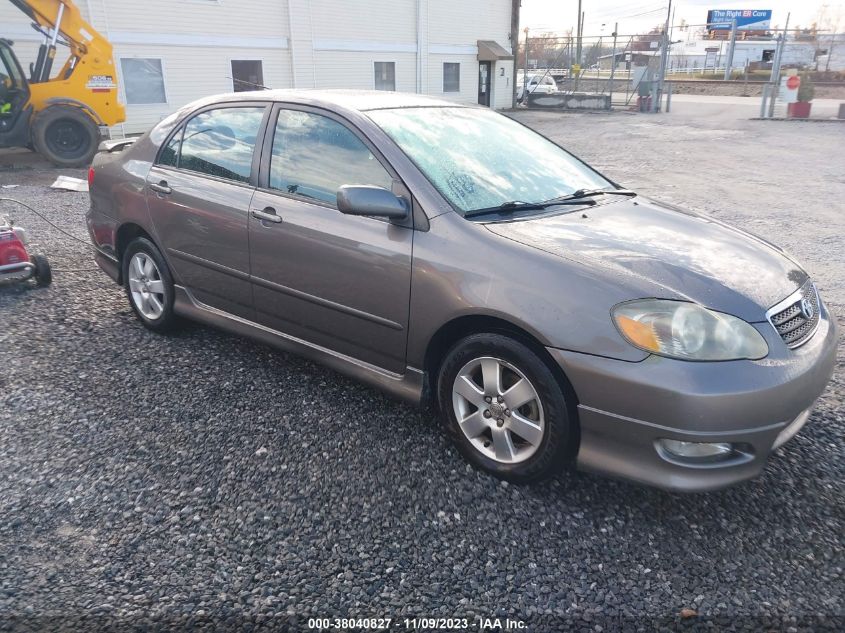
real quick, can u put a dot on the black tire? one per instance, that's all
(66, 136)
(559, 438)
(168, 320)
(43, 272)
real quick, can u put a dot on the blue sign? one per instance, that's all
(746, 19)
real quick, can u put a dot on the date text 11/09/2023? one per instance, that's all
(416, 624)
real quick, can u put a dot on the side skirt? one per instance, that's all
(407, 386)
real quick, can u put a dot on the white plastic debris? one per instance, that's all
(69, 183)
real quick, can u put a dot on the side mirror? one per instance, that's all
(373, 201)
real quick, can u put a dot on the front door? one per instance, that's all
(485, 73)
(337, 281)
(198, 194)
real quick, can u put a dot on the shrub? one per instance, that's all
(806, 91)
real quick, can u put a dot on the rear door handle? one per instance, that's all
(161, 187)
(268, 214)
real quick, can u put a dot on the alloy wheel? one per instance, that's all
(146, 286)
(498, 410)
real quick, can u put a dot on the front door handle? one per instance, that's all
(268, 214)
(161, 187)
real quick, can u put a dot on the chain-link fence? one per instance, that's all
(630, 71)
(612, 70)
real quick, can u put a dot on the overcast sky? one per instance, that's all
(636, 16)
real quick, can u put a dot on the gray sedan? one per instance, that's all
(447, 253)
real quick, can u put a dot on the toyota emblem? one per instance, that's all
(807, 309)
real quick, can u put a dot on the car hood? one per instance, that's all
(668, 252)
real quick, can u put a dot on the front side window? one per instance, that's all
(143, 80)
(451, 77)
(479, 159)
(314, 155)
(221, 142)
(385, 75)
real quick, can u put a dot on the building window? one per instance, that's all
(247, 74)
(451, 77)
(385, 75)
(143, 80)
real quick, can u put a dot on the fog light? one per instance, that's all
(696, 450)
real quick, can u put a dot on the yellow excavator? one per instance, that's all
(59, 114)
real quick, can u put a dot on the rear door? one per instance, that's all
(338, 281)
(199, 192)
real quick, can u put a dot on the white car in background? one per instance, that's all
(536, 83)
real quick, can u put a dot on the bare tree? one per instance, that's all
(829, 23)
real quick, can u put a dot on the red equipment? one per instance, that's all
(15, 263)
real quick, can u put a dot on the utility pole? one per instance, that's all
(731, 47)
(612, 64)
(515, 6)
(664, 54)
(578, 35)
(775, 78)
(525, 70)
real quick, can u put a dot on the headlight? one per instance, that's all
(688, 331)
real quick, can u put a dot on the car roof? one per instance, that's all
(358, 100)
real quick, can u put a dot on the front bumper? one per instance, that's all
(625, 408)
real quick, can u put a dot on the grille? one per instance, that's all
(791, 323)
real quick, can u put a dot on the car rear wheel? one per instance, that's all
(149, 285)
(504, 409)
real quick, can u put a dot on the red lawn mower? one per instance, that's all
(16, 264)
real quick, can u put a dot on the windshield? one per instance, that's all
(479, 159)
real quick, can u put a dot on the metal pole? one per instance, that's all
(581, 38)
(729, 63)
(578, 35)
(612, 64)
(745, 85)
(775, 78)
(664, 54)
(525, 70)
(763, 100)
(669, 96)
(515, 6)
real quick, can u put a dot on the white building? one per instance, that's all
(696, 54)
(170, 52)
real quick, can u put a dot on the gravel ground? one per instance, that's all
(202, 480)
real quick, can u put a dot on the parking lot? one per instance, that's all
(204, 478)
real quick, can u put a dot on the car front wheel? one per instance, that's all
(504, 408)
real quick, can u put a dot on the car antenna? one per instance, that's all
(249, 83)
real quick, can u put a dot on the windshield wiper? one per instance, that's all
(583, 193)
(506, 208)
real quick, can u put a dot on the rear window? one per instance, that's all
(218, 142)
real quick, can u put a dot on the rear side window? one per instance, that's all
(314, 155)
(218, 142)
(170, 153)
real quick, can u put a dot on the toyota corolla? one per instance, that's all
(447, 253)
